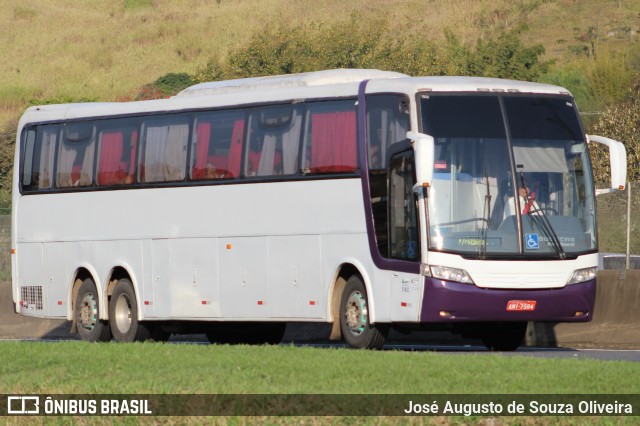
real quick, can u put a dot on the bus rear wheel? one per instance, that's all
(123, 314)
(356, 329)
(90, 327)
(503, 336)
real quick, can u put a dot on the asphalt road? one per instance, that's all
(601, 354)
(632, 355)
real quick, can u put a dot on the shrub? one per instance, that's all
(163, 87)
(61, 99)
(506, 57)
(7, 151)
(172, 83)
(620, 122)
(358, 44)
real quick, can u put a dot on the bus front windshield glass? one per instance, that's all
(511, 178)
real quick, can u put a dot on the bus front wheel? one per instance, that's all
(123, 314)
(356, 329)
(90, 327)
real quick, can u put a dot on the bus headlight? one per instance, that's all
(582, 275)
(451, 274)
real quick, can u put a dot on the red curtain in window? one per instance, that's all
(110, 155)
(132, 158)
(203, 133)
(235, 150)
(333, 142)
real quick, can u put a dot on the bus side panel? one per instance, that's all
(146, 280)
(243, 272)
(194, 287)
(30, 280)
(56, 279)
(160, 279)
(295, 287)
(406, 296)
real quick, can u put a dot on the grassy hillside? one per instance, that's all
(68, 49)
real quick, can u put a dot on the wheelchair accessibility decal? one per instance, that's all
(531, 241)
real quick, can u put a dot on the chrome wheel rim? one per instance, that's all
(88, 314)
(356, 313)
(123, 313)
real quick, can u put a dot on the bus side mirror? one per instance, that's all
(424, 149)
(618, 161)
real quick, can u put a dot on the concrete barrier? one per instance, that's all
(616, 318)
(616, 322)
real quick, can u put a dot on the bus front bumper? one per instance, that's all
(447, 301)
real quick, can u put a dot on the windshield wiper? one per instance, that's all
(486, 215)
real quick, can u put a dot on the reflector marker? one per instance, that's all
(260, 302)
(147, 302)
(229, 246)
(403, 304)
(59, 302)
(312, 302)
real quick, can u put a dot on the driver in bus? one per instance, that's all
(528, 204)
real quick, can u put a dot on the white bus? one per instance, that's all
(367, 199)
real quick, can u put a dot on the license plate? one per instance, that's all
(521, 305)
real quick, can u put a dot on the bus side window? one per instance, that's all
(116, 156)
(403, 228)
(216, 151)
(164, 155)
(273, 141)
(331, 138)
(37, 163)
(387, 123)
(76, 156)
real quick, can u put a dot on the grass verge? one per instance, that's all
(78, 367)
(82, 368)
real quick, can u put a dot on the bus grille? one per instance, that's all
(31, 297)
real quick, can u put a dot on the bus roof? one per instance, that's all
(316, 78)
(318, 84)
(377, 77)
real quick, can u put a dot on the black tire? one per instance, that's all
(503, 336)
(90, 327)
(356, 329)
(123, 315)
(248, 333)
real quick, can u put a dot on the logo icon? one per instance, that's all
(531, 241)
(23, 405)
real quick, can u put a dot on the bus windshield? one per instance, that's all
(512, 177)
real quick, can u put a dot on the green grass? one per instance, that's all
(83, 368)
(79, 367)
